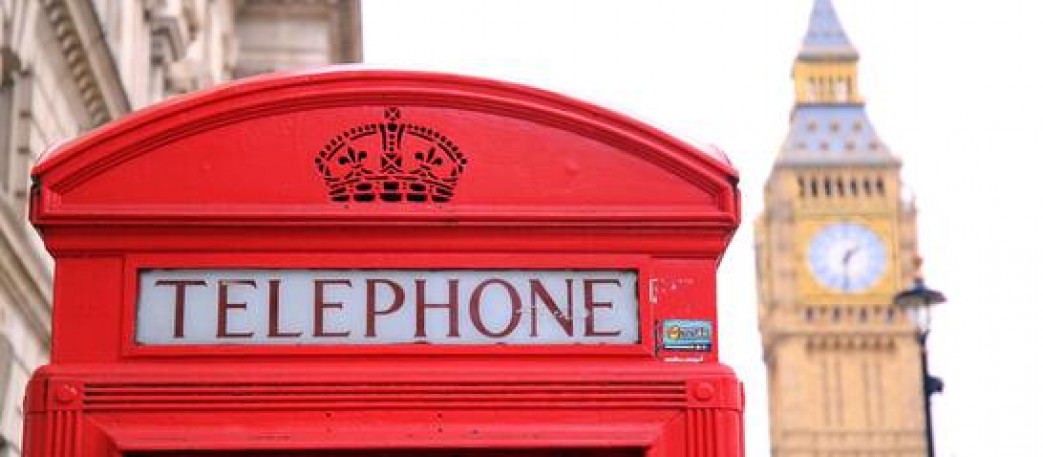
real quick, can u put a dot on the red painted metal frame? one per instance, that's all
(224, 179)
(140, 409)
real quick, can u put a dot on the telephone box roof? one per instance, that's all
(247, 150)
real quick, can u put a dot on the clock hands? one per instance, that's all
(848, 255)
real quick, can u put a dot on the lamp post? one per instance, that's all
(917, 302)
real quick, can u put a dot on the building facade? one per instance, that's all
(834, 244)
(68, 66)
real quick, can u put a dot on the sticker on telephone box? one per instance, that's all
(689, 335)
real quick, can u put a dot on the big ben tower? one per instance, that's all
(834, 244)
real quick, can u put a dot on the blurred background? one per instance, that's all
(869, 135)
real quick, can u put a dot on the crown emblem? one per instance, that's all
(391, 161)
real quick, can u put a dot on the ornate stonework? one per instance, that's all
(68, 66)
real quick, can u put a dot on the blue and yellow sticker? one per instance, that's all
(685, 334)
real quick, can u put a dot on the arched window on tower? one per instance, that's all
(854, 187)
(827, 186)
(867, 187)
(840, 91)
(840, 186)
(880, 186)
(801, 184)
(814, 187)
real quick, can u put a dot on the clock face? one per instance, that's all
(847, 257)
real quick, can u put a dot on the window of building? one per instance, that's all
(841, 91)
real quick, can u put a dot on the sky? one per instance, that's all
(952, 86)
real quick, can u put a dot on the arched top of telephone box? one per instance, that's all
(341, 153)
(344, 146)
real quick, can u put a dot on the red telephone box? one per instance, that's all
(383, 263)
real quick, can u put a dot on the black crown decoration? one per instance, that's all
(391, 161)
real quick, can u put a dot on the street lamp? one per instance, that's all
(917, 302)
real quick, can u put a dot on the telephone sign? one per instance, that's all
(387, 307)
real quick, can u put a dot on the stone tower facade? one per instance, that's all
(834, 244)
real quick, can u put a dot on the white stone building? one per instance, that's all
(68, 66)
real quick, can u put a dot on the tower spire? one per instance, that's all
(828, 124)
(825, 38)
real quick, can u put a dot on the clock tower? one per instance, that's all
(834, 244)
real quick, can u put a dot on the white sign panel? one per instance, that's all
(351, 307)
